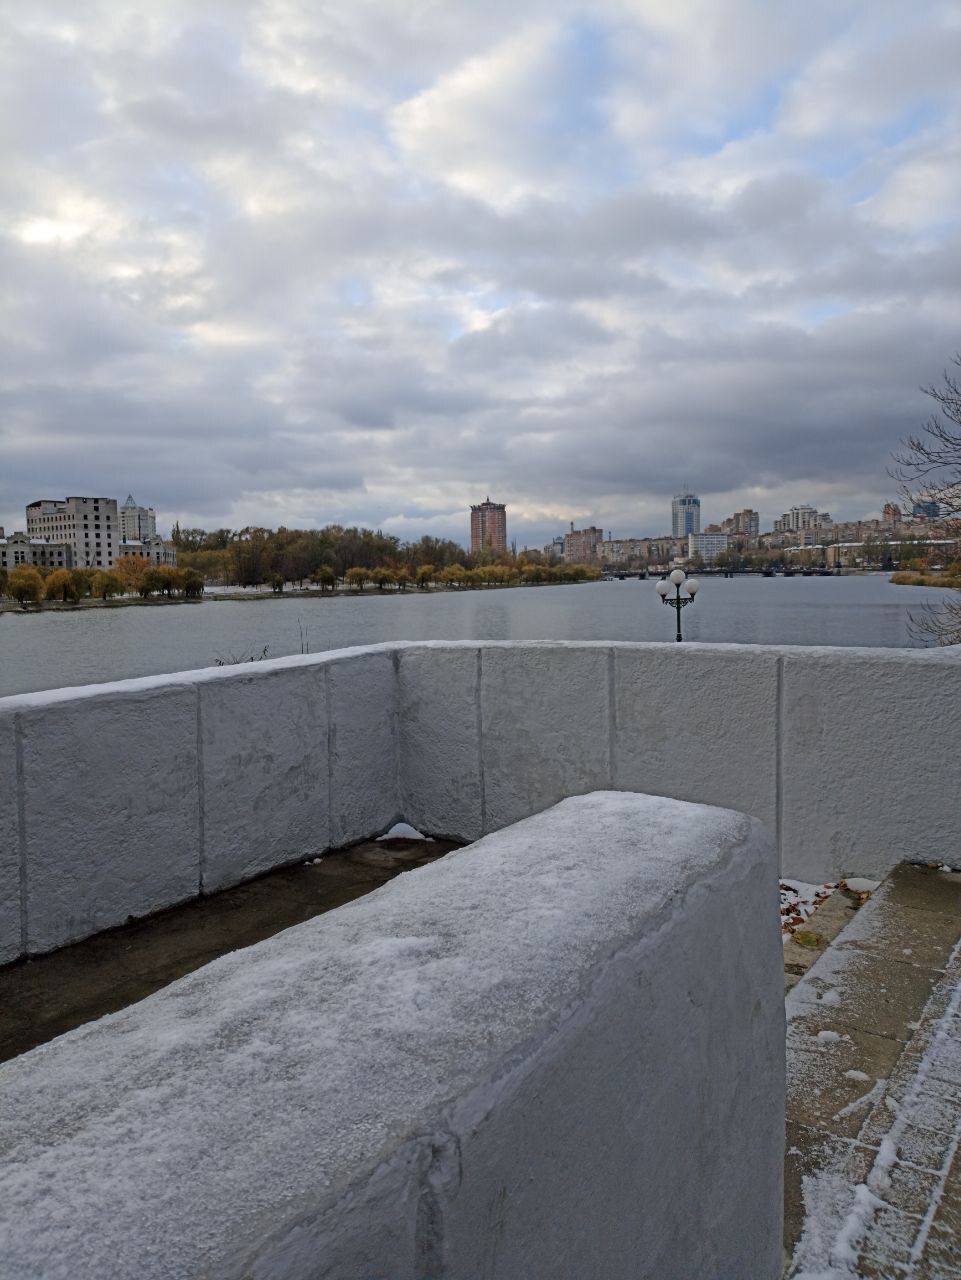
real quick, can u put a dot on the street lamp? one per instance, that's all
(663, 589)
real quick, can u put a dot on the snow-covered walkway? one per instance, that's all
(874, 1092)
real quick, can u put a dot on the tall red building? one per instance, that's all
(488, 527)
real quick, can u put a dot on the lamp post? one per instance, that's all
(663, 589)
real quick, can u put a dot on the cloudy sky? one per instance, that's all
(303, 261)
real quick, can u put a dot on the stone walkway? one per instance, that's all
(873, 1172)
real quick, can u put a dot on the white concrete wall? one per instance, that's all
(848, 756)
(246, 769)
(555, 1054)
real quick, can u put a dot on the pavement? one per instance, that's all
(872, 1166)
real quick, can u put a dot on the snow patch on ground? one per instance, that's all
(404, 831)
(799, 900)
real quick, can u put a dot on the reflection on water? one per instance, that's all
(42, 651)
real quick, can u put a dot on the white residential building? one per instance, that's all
(89, 526)
(19, 549)
(802, 517)
(136, 523)
(153, 549)
(706, 545)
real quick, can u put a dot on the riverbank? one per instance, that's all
(946, 580)
(243, 596)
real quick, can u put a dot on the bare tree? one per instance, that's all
(928, 468)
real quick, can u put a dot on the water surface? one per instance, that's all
(47, 650)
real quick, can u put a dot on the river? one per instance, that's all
(47, 650)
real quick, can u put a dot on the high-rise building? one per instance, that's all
(926, 510)
(582, 546)
(488, 527)
(743, 524)
(803, 517)
(685, 515)
(136, 523)
(706, 545)
(90, 526)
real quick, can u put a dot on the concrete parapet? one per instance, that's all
(266, 786)
(556, 1053)
(117, 800)
(870, 747)
(545, 724)
(439, 742)
(362, 716)
(698, 722)
(11, 942)
(110, 810)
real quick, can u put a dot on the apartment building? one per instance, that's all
(743, 525)
(89, 526)
(581, 546)
(706, 545)
(803, 517)
(19, 548)
(136, 522)
(156, 550)
(488, 526)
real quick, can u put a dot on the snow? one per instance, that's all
(840, 1214)
(858, 884)
(404, 831)
(799, 900)
(164, 1138)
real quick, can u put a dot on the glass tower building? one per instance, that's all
(685, 515)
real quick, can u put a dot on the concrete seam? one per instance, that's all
(201, 806)
(611, 722)
(480, 739)
(399, 815)
(21, 828)
(779, 760)
(330, 761)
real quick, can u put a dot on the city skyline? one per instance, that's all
(300, 268)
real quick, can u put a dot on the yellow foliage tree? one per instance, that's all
(25, 585)
(60, 586)
(130, 570)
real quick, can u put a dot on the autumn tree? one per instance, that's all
(25, 585)
(105, 584)
(60, 586)
(130, 570)
(357, 577)
(192, 584)
(81, 579)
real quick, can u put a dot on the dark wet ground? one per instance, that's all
(42, 997)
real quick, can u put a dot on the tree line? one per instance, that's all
(359, 558)
(28, 584)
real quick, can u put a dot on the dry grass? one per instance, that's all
(908, 579)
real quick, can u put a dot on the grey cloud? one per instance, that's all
(270, 300)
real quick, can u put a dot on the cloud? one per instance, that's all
(280, 262)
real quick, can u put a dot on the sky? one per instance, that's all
(304, 262)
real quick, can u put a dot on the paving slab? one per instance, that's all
(880, 1012)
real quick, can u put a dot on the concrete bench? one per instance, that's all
(555, 1053)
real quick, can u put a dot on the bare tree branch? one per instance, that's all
(928, 469)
